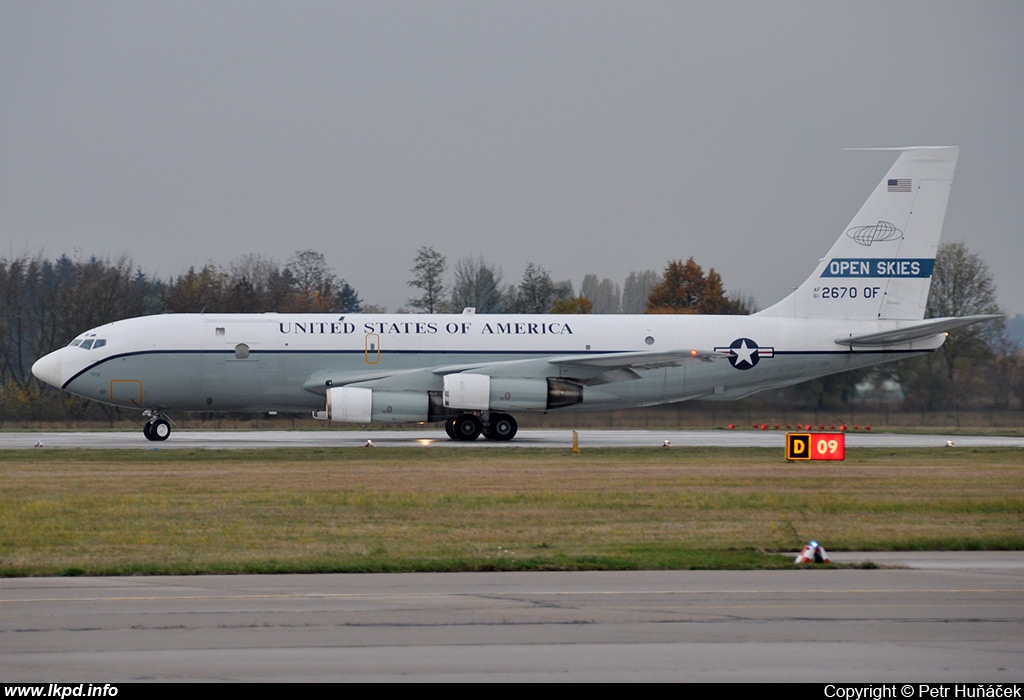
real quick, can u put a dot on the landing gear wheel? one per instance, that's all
(449, 428)
(467, 427)
(501, 426)
(157, 430)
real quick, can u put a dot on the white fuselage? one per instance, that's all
(285, 362)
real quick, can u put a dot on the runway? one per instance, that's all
(434, 437)
(953, 618)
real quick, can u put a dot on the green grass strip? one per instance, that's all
(113, 512)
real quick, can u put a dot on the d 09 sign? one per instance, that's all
(808, 446)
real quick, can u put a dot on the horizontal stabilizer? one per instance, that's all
(917, 331)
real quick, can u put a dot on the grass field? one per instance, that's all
(95, 512)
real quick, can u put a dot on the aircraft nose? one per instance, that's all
(47, 369)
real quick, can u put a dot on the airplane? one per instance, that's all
(863, 305)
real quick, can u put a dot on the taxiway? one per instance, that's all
(958, 620)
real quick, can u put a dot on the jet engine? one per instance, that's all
(481, 392)
(352, 404)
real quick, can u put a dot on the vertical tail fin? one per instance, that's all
(881, 265)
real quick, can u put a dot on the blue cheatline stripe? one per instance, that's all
(530, 354)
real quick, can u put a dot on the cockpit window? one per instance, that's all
(90, 342)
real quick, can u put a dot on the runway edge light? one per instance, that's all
(812, 553)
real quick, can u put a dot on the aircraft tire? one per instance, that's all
(449, 428)
(158, 430)
(467, 427)
(501, 426)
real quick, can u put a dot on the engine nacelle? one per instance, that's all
(353, 404)
(481, 392)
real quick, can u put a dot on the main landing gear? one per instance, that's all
(157, 428)
(493, 426)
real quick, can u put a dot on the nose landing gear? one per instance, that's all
(158, 427)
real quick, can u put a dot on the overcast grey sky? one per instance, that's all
(584, 136)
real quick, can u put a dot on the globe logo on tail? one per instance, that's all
(876, 233)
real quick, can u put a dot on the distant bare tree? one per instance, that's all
(962, 285)
(605, 295)
(476, 285)
(257, 284)
(428, 276)
(634, 292)
(740, 304)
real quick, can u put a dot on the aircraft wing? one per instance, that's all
(638, 360)
(607, 368)
(923, 329)
(318, 382)
(591, 369)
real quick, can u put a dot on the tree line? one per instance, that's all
(683, 287)
(45, 303)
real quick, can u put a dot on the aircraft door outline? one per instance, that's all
(127, 391)
(371, 348)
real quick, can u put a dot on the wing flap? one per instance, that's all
(639, 360)
(319, 382)
(608, 368)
